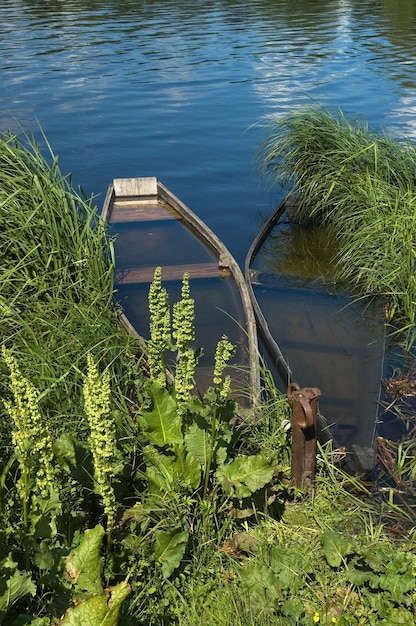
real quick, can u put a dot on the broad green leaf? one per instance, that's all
(335, 547)
(198, 440)
(165, 472)
(187, 468)
(44, 557)
(163, 423)
(84, 564)
(169, 549)
(74, 457)
(399, 577)
(44, 514)
(359, 577)
(64, 451)
(245, 475)
(159, 469)
(290, 567)
(377, 558)
(259, 584)
(98, 610)
(14, 585)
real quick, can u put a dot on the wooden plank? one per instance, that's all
(146, 186)
(173, 272)
(134, 212)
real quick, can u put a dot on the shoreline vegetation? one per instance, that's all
(361, 186)
(124, 499)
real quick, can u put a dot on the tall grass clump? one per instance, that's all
(362, 185)
(56, 270)
(47, 247)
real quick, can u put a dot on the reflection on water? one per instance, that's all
(301, 255)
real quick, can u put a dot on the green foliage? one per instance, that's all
(335, 547)
(14, 585)
(362, 186)
(245, 475)
(98, 609)
(160, 331)
(169, 549)
(84, 563)
(103, 435)
(201, 525)
(183, 331)
(161, 421)
(94, 605)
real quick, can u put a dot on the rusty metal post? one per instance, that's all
(304, 403)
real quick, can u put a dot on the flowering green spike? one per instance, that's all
(184, 333)
(31, 436)
(97, 392)
(184, 317)
(160, 332)
(223, 353)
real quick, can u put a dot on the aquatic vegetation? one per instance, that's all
(360, 184)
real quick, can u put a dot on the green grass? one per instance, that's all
(56, 297)
(362, 185)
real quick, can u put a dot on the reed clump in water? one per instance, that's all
(362, 185)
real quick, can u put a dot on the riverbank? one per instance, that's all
(121, 500)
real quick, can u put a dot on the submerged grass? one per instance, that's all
(362, 185)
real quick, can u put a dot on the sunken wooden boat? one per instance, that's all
(313, 334)
(153, 228)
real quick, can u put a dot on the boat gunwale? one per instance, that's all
(271, 346)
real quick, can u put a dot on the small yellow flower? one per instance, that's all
(316, 617)
(333, 620)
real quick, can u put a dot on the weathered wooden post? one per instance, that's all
(304, 403)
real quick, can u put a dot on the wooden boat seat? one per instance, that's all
(173, 272)
(146, 211)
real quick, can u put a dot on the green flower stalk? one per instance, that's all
(184, 333)
(184, 376)
(223, 353)
(184, 317)
(31, 436)
(102, 435)
(160, 332)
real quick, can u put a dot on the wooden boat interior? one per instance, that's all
(317, 335)
(152, 228)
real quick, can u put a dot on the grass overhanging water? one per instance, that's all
(180, 510)
(360, 184)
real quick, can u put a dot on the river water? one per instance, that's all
(180, 90)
